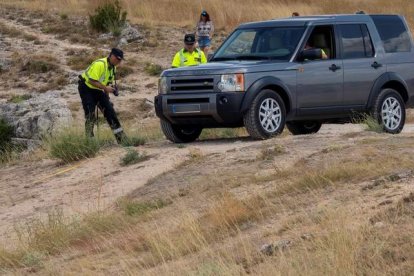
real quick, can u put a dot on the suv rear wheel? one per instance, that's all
(389, 110)
(178, 134)
(266, 115)
(303, 127)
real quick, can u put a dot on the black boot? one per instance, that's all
(120, 137)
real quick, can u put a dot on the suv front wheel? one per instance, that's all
(179, 134)
(266, 115)
(389, 110)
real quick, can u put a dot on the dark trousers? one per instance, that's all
(92, 98)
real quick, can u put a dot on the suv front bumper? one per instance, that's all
(202, 109)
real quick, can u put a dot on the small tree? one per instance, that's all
(109, 17)
(6, 133)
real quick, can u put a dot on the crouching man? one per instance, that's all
(94, 89)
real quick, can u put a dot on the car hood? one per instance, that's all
(229, 67)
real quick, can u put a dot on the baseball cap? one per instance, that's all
(118, 53)
(189, 39)
(204, 13)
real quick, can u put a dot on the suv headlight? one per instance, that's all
(231, 83)
(162, 85)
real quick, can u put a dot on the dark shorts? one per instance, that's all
(204, 41)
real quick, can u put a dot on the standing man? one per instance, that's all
(94, 89)
(189, 55)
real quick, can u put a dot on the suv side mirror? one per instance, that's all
(310, 54)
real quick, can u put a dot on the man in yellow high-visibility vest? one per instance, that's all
(95, 85)
(189, 55)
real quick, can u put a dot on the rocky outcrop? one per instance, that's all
(40, 115)
(128, 35)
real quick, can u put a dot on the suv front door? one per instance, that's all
(320, 82)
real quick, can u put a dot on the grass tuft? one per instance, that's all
(70, 146)
(19, 98)
(133, 157)
(137, 208)
(133, 141)
(153, 69)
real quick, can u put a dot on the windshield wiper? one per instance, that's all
(241, 57)
(250, 57)
(222, 58)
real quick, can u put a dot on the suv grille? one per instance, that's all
(192, 85)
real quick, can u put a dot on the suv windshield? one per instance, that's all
(261, 43)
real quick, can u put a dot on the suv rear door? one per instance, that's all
(320, 82)
(362, 65)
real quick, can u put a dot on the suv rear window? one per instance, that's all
(393, 33)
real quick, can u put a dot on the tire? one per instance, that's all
(178, 134)
(266, 116)
(303, 127)
(389, 111)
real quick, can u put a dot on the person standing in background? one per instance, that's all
(204, 32)
(190, 55)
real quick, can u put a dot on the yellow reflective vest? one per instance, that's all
(100, 70)
(185, 58)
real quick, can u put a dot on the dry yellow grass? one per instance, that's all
(226, 14)
(216, 232)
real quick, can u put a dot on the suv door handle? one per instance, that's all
(376, 65)
(334, 67)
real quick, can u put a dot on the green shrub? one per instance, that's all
(39, 64)
(371, 124)
(136, 208)
(19, 98)
(6, 133)
(71, 146)
(133, 157)
(132, 141)
(108, 17)
(153, 69)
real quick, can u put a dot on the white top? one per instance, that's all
(205, 28)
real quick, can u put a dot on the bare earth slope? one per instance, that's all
(227, 196)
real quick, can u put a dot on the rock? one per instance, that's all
(122, 42)
(306, 236)
(5, 64)
(40, 115)
(379, 224)
(105, 36)
(283, 244)
(130, 34)
(267, 249)
(271, 249)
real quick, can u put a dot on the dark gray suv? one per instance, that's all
(300, 72)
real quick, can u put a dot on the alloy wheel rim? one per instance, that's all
(270, 115)
(391, 113)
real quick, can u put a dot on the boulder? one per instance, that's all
(40, 115)
(130, 34)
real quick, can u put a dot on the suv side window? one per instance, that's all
(356, 42)
(323, 37)
(393, 33)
